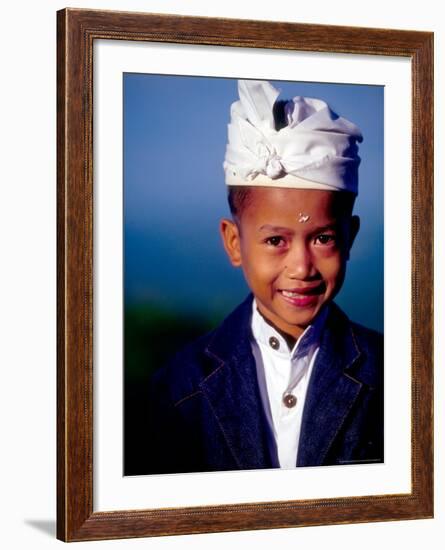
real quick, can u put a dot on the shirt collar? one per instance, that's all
(264, 334)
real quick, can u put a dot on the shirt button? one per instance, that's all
(274, 343)
(289, 400)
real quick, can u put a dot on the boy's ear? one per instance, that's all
(231, 241)
(353, 230)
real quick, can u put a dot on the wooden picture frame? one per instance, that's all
(77, 31)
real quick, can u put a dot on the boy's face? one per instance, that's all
(293, 245)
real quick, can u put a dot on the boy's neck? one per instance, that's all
(291, 339)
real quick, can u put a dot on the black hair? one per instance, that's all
(238, 198)
(279, 114)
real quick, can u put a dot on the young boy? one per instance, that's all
(286, 380)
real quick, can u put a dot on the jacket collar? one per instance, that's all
(304, 346)
(333, 388)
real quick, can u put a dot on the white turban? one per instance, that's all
(317, 149)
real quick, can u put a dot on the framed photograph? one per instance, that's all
(173, 147)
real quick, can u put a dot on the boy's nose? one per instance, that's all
(299, 263)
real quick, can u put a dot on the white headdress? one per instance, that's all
(316, 149)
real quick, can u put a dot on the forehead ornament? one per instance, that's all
(303, 218)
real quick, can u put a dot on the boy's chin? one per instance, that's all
(292, 323)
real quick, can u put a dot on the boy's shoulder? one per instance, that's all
(183, 374)
(363, 343)
(367, 337)
(338, 318)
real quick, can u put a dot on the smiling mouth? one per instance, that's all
(300, 292)
(302, 297)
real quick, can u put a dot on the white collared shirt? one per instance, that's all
(281, 372)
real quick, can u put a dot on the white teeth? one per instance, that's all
(289, 294)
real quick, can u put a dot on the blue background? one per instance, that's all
(174, 144)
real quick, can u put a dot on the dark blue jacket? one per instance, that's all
(206, 413)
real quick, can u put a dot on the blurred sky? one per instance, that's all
(175, 131)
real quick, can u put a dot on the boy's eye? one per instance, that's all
(275, 241)
(325, 239)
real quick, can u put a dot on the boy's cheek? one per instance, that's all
(261, 275)
(336, 279)
(329, 252)
(332, 268)
(331, 262)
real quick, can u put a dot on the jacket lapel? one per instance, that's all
(332, 390)
(231, 389)
(233, 394)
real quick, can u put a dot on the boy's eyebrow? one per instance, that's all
(279, 229)
(327, 227)
(275, 228)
